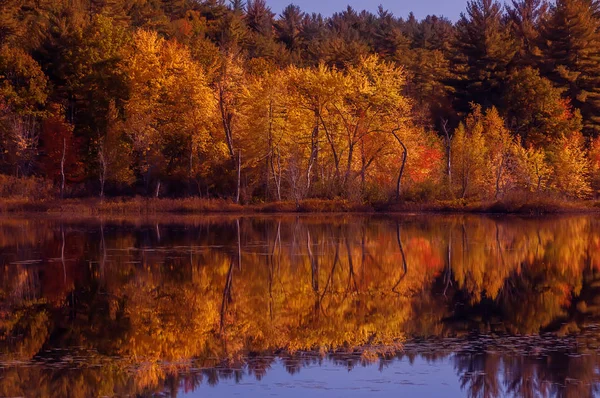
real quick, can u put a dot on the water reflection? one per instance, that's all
(126, 307)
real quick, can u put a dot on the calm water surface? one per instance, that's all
(331, 306)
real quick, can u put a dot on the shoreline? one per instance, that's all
(197, 206)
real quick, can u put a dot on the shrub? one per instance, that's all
(26, 187)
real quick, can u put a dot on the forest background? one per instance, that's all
(227, 100)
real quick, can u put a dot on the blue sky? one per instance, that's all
(400, 8)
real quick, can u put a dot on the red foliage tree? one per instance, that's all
(61, 159)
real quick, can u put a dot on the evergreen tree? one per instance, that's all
(483, 50)
(388, 39)
(312, 34)
(288, 26)
(571, 50)
(259, 17)
(260, 40)
(346, 43)
(434, 33)
(525, 17)
(232, 30)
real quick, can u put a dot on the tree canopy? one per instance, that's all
(215, 99)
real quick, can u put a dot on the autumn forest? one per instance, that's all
(226, 99)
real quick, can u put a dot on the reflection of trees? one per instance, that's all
(178, 293)
(556, 375)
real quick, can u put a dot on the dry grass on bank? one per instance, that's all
(512, 205)
(145, 206)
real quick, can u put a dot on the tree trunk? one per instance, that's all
(62, 169)
(314, 153)
(448, 153)
(277, 173)
(270, 167)
(103, 169)
(226, 119)
(157, 189)
(239, 242)
(498, 178)
(191, 165)
(403, 165)
(239, 176)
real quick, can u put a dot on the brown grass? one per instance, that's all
(26, 187)
(511, 205)
(144, 206)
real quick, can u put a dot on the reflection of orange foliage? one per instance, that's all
(423, 254)
(189, 295)
(594, 252)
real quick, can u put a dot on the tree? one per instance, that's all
(526, 18)
(96, 83)
(288, 26)
(344, 44)
(571, 167)
(536, 109)
(500, 163)
(316, 88)
(23, 94)
(61, 158)
(268, 121)
(594, 155)
(571, 50)
(468, 155)
(388, 40)
(373, 101)
(428, 71)
(259, 17)
(169, 107)
(114, 153)
(483, 50)
(533, 171)
(230, 85)
(260, 42)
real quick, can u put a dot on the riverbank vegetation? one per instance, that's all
(144, 206)
(213, 105)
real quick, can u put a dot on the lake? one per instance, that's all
(326, 305)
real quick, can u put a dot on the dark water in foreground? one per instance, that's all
(319, 306)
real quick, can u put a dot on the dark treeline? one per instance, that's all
(227, 99)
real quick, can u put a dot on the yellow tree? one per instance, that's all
(187, 109)
(468, 155)
(143, 71)
(169, 107)
(594, 156)
(270, 124)
(230, 84)
(571, 167)
(373, 105)
(533, 170)
(315, 89)
(360, 116)
(500, 163)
